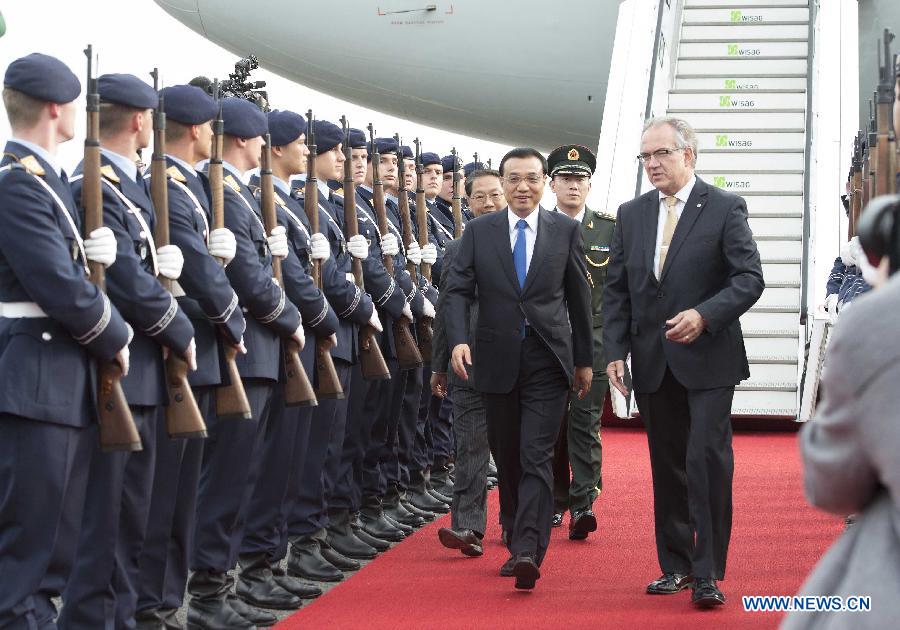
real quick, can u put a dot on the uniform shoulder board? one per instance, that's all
(232, 184)
(604, 215)
(108, 172)
(176, 174)
(339, 191)
(32, 165)
(279, 200)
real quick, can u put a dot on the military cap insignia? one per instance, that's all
(108, 172)
(32, 165)
(233, 185)
(573, 154)
(176, 174)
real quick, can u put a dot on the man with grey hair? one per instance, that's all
(683, 268)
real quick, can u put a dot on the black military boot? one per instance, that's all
(342, 537)
(374, 523)
(305, 560)
(209, 608)
(303, 590)
(257, 585)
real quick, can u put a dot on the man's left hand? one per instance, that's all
(582, 381)
(685, 327)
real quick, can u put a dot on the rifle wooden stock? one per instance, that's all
(456, 200)
(231, 399)
(118, 431)
(183, 417)
(298, 391)
(371, 360)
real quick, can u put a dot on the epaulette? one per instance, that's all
(339, 191)
(110, 174)
(604, 215)
(232, 184)
(32, 165)
(279, 200)
(175, 173)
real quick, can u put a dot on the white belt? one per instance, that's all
(177, 291)
(18, 310)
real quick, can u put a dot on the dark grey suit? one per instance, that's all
(469, 507)
(684, 391)
(524, 379)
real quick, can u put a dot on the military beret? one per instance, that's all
(188, 104)
(328, 135)
(243, 119)
(126, 89)
(357, 139)
(447, 163)
(472, 166)
(285, 127)
(42, 77)
(384, 145)
(430, 159)
(407, 152)
(571, 159)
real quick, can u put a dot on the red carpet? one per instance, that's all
(599, 583)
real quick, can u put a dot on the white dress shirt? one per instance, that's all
(126, 165)
(682, 197)
(41, 153)
(530, 233)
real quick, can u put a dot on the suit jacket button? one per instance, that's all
(660, 295)
(46, 336)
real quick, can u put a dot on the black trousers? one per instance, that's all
(522, 429)
(689, 432)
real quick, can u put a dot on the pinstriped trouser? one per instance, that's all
(469, 507)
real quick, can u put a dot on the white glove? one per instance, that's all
(389, 245)
(375, 321)
(358, 247)
(299, 336)
(414, 253)
(222, 244)
(123, 358)
(407, 312)
(319, 248)
(856, 251)
(847, 255)
(429, 254)
(833, 313)
(190, 355)
(831, 302)
(277, 241)
(169, 261)
(427, 309)
(100, 246)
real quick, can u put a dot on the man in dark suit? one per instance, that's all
(683, 268)
(534, 342)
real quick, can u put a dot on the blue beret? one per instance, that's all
(42, 77)
(243, 119)
(472, 166)
(357, 139)
(384, 145)
(429, 159)
(285, 127)
(328, 135)
(407, 152)
(447, 163)
(188, 105)
(126, 89)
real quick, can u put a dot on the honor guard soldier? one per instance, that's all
(288, 446)
(231, 460)
(205, 295)
(445, 197)
(54, 324)
(103, 579)
(571, 167)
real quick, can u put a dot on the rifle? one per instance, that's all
(231, 400)
(869, 165)
(408, 355)
(183, 417)
(855, 186)
(371, 360)
(297, 389)
(118, 431)
(329, 384)
(885, 143)
(455, 200)
(424, 330)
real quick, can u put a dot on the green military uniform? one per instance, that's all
(578, 445)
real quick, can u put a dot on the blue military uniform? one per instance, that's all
(119, 484)
(53, 322)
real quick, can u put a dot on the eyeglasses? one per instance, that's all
(659, 154)
(531, 180)
(480, 197)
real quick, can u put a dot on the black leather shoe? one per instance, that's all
(440, 496)
(669, 583)
(170, 619)
(406, 529)
(148, 620)
(425, 514)
(347, 544)
(375, 543)
(425, 501)
(380, 528)
(707, 594)
(401, 515)
(260, 589)
(506, 570)
(467, 541)
(582, 523)
(216, 614)
(301, 589)
(306, 560)
(339, 560)
(491, 483)
(259, 618)
(442, 486)
(526, 571)
(557, 519)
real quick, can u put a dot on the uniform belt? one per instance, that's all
(18, 310)
(177, 291)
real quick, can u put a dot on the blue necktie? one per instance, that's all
(519, 252)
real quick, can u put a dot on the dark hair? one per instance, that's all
(524, 152)
(479, 172)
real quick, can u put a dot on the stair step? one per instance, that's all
(712, 4)
(786, 297)
(761, 237)
(736, 67)
(786, 413)
(773, 309)
(739, 84)
(759, 319)
(748, 181)
(777, 206)
(776, 273)
(745, 15)
(740, 49)
(742, 122)
(744, 32)
(779, 334)
(780, 250)
(786, 226)
(774, 369)
(729, 140)
(718, 101)
(772, 345)
(737, 162)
